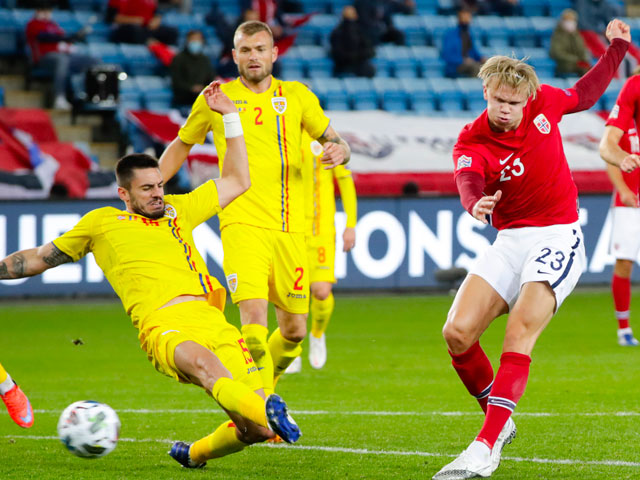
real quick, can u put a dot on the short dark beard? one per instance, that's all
(152, 216)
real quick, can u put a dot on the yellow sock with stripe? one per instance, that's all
(321, 311)
(283, 352)
(223, 441)
(256, 338)
(238, 398)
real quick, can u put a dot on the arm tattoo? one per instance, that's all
(18, 267)
(57, 257)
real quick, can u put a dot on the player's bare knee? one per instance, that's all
(254, 434)
(322, 292)
(458, 340)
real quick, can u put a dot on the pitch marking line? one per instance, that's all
(373, 413)
(365, 451)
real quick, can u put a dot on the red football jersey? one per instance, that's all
(625, 115)
(528, 164)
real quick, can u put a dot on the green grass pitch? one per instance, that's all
(387, 405)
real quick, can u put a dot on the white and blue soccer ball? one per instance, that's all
(89, 429)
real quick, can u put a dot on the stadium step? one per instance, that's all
(107, 153)
(24, 98)
(60, 117)
(12, 82)
(74, 133)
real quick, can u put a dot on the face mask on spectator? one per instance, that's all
(570, 25)
(194, 47)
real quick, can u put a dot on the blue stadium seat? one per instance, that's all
(413, 28)
(543, 27)
(320, 27)
(429, 62)
(471, 89)
(421, 97)
(361, 93)
(521, 31)
(492, 30)
(447, 94)
(107, 52)
(608, 99)
(540, 60)
(383, 67)
(22, 17)
(557, 6)
(332, 93)
(427, 7)
(401, 60)
(391, 94)
(8, 34)
(321, 67)
(532, 8)
(291, 66)
(156, 92)
(436, 26)
(138, 60)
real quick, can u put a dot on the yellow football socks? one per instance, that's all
(283, 352)
(238, 398)
(223, 441)
(256, 338)
(321, 311)
(3, 374)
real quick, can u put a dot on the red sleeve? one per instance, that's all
(592, 84)
(470, 186)
(622, 113)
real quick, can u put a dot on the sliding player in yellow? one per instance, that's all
(265, 257)
(320, 212)
(147, 254)
(15, 400)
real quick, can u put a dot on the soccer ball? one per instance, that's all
(89, 429)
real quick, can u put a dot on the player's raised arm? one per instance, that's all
(336, 150)
(592, 84)
(234, 179)
(33, 261)
(611, 153)
(173, 157)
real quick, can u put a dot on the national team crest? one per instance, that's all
(232, 282)
(170, 211)
(279, 104)
(463, 162)
(542, 124)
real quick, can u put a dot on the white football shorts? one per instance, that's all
(625, 233)
(553, 254)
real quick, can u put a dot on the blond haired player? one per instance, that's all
(263, 231)
(320, 211)
(15, 400)
(147, 254)
(511, 170)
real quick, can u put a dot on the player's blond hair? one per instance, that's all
(251, 28)
(500, 70)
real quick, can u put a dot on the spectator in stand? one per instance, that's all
(461, 57)
(594, 15)
(269, 12)
(51, 49)
(351, 48)
(567, 46)
(375, 18)
(136, 21)
(190, 70)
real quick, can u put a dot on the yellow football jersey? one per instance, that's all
(149, 262)
(272, 122)
(320, 200)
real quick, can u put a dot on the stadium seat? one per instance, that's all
(521, 31)
(413, 28)
(471, 89)
(321, 67)
(401, 60)
(8, 34)
(319, 27)
(435, 26)
(493, 30)
(291, 66)
(428, 61)
(156, 92)
(447, 94)
(540, 60)
(543, 27)
(332, 93)
(532, 8)
(139, 60)
(608, 99)
(107, 52)
(557, 6)
(391, 94)
(361, 93)
(421, 97)
(427, 7)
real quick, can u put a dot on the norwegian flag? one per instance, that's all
(542, 124)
